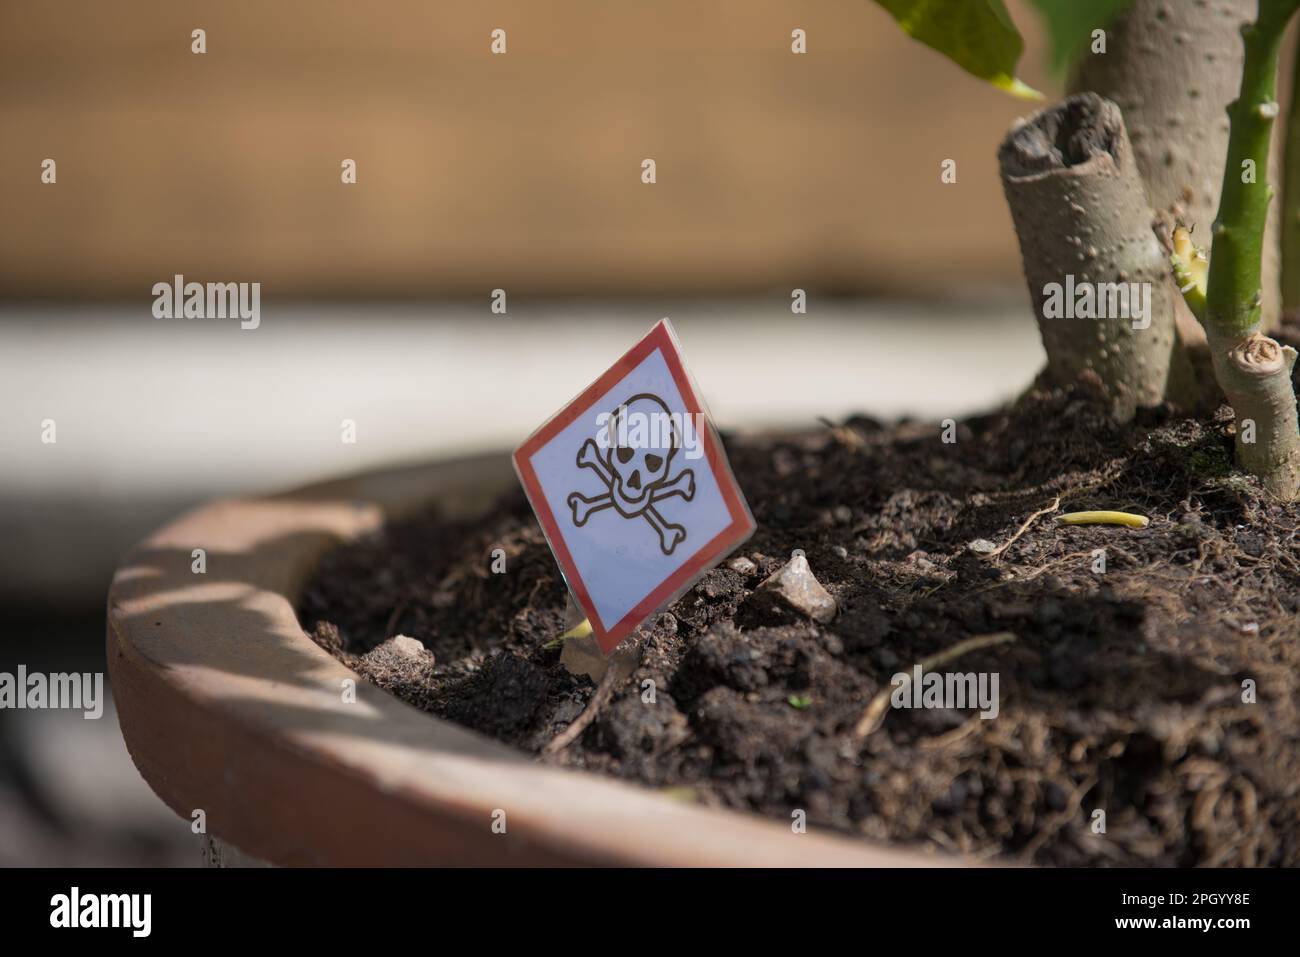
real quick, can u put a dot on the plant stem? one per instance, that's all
(1234, 294)
(1253, 370)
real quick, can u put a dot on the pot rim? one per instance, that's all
(227, 706)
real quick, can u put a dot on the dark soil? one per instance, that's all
(1123, 692)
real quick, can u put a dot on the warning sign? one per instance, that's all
(633, 489)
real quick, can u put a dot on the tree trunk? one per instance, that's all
(1173, 66)
(1083, 221)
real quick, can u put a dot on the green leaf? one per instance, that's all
(977, 35)
(1070, 25)
(799, 701)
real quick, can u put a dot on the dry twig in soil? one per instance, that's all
(1056, 503)
(874, 716)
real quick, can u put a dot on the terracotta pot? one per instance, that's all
(227, 706)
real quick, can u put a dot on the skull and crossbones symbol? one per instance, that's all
(636, 478)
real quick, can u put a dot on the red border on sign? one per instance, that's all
(660, 338)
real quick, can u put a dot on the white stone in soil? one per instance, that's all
(794, 584)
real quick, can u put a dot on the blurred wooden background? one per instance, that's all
(476, 171)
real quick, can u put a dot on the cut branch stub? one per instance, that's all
(1099, 280)
(1255, 373)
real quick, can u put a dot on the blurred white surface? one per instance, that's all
(152, 414)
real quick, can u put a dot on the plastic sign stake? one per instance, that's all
(633, 489)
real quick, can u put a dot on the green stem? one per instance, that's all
(1253, 370)
(1233, 301)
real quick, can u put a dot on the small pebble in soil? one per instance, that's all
(920, 559)
(398, 653)
(408, 646)
(982, 546)
(743, 565)
(795, 585)
(398, 664)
